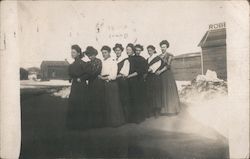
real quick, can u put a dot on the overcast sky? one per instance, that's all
(48, 29)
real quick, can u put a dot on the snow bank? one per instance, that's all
(45, 83)
(64, 93)
(207, 101)
(204, 87)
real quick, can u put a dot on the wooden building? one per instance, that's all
(186, 66)
(213, 45)
(23, 74)
(54, 70)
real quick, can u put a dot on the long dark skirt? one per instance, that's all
(97, 103)
(78, 110)
(137, 100)
(154, 94)
(169, 94)
(124, 95)
(114, 112)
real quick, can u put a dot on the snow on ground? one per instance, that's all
(213, 113)
(64, 93)
(207, 101)
(34, 84)
(182, 84)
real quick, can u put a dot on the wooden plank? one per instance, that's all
(214, 62)
(186, 77)
(189, 60)
(185, 69)
(214, 53)
(214, 68)
(215, 58)
(186, 66)
(198, 62)
(212, 49)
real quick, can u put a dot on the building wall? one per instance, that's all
(23, 74)
(54, 72)
(58, 72)
(215, 59)
(186, 68)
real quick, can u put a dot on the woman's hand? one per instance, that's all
(100, 77)
(120, 76)
(158, 73)
(150, 70)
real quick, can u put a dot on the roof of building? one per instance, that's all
(33, 69)
(193, 54)
(55, 63)
(213, 38)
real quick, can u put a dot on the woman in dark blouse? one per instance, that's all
(96, 87)
(78, 114)
(137, 90)
(154, 82)
(169, 92)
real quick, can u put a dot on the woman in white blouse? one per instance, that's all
(122, 73)
(114, 112)
(154, 82)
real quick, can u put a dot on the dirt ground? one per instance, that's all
(44, 135)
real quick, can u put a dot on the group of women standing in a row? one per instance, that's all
(127, 89)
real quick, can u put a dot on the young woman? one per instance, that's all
(114, 113)
(169, 92)
(153, 82)
(138, 68)
(78, 114)
(96, 89)
(122, 73)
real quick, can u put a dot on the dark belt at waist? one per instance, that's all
(110, 81)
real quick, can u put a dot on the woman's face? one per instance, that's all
(105, 54)
(137, 51)
(118, 52)
(151, 51)
(129, 51)
(74, 53)
(164, 48)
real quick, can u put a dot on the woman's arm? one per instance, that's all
(125, 69)
(103, 77)
(86, 72)
(160, 71)
(170, 60)
(132, 75)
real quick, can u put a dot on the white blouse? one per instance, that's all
(109, 68)
(154, 66)
(125, 68)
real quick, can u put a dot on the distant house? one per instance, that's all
(33, 70)
(23, 74)
(186, 66)
(34, 73)
(213, 45)
(54, 70)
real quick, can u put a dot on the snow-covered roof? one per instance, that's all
(213, 38)
(54, 63)
(193, 54)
